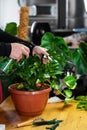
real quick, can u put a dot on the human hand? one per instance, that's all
(40, 52)
(18, 50)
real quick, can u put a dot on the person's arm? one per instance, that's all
(8, 38)
(5, 49)
(15, 48)
(10, 46)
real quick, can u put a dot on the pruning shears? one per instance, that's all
(46, 57)
(40, 122)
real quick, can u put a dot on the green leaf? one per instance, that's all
(67, 100)
(79, 58)
(54, 85)
(82, 105)
(11, 28)
(70, 81)
(47, 40)
(68, 93)
(54, 43)
(83, 48)
(81, 98)
(20, 86)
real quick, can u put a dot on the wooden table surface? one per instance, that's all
(73, 119)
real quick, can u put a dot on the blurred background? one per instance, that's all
(60, 14)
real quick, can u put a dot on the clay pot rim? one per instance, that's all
(10, 89)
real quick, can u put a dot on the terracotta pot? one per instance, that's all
(29, 103)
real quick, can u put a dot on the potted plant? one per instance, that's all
(39, 78)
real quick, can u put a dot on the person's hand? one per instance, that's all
(41, 51)
(18, 51)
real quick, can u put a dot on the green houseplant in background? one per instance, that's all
(79, 58)
(80, 61)
(11, 28)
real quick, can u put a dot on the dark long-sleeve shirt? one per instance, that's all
(6, 40)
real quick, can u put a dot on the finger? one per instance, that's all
(26, 48)
(26, 52)
(40, 51)
(19, 58)
(44, 61)
(44, 51)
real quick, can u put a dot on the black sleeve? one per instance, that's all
(5, 49)
(6, 38)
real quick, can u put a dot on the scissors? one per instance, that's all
(40, 122)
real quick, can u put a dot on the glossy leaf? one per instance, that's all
(68, 100)
(82, 105)
(70, 81)
(11, 28)
(68, 93)
(79, 58)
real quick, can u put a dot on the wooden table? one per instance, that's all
(73, 119)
